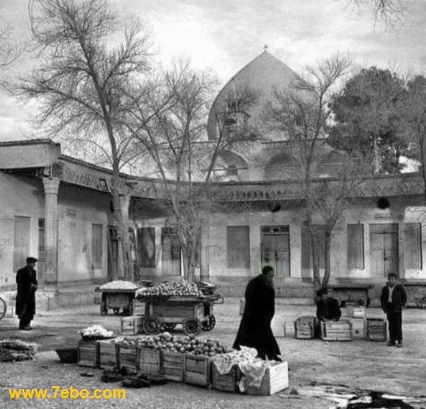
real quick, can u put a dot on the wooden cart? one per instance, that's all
(193, 313)
(116, 300)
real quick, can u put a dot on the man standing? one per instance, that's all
(393, 299)
(255, 327)
(25, 298)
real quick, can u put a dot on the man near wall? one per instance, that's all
(393, 299)
(255, 327)
(25, 298)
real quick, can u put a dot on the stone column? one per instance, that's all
(51, 188)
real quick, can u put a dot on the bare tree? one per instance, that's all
(10, 50)
(81, 82)
(176, 141)
(389, 12)
(303, 116)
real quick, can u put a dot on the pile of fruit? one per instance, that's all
(225, 362)
(167, 342)
(119, 285)
(16, 350)
(95, 332)
(170, 288)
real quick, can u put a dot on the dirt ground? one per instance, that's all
(357, 364)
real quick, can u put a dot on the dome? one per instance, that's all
(260, 77)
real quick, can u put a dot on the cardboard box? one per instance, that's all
(358, 328)
(355, 312)
(274, 380)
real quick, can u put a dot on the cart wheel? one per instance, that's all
(116, 311)
(151, 325)
(192, 326)
(168, 327)
(209, 323)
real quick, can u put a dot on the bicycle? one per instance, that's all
(3, 307)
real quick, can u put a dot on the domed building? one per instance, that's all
(58, 208)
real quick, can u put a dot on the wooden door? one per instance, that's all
(170, 253)
(275, 245)
(21, 241)
(384, 249)
(112, 252)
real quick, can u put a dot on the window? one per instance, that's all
(238, 246)
(146, 247)
(306, 246)
(97, 235)
(413, 245)
(355, 239)
(41, 239)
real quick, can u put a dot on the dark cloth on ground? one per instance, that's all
(255, 327)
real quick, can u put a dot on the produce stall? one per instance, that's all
(118, 295)
(177, 303)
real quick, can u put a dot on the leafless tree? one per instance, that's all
(177, 144)
(81, 82)
(10, 50)
(302, 114)
(388, 12)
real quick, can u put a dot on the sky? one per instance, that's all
(224, 35)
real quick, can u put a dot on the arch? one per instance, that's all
(282, 166)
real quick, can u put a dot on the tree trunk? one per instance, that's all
(327, 256)
(123, 262)
(423, 161)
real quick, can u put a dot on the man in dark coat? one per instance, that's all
(393, 299)
(255, 327)
(25, 298)
(328, 308)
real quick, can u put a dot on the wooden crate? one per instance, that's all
(274, 380)
(197, 370)
(173, 365)
(358, 328)
(355, 312)
(149, 361)
(127, 358)
(107, 354)
(336, 331)
(139, 307)
(88, 353)
(225, 382)
(304, 328)
(376, 329)
(131, 325)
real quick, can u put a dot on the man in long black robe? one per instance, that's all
(25, 298)
(255, 327)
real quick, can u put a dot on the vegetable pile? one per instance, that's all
(119, 285)
(170, 288)
(167, 342)
(95, 332)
